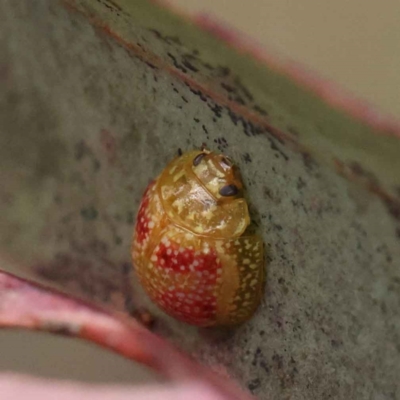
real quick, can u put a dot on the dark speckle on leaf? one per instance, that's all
(264, 366)
(81, 150)
(57, 199)
(126, 268)
(308, 161)
(216, 109)
(189, 66)
(278, 360)
(89, 213)
(246, 158)
(300, 183)
(254, 384)
(152, 66)
(260, 110)
(334, 343)
(228, 88)
(223, 71)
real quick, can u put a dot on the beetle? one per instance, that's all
(190, 249)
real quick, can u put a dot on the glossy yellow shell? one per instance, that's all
(190, 250)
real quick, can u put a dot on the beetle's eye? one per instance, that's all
(229, 190)
(198, 158)
(227, 161)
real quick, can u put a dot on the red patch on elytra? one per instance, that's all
(195, 302)
(178, 301)
(142, 224)
(194, 308)
(180, 259)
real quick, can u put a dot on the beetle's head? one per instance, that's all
(219, 175)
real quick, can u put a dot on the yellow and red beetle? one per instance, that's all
(190, 249)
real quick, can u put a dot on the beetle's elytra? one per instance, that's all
(190, 249)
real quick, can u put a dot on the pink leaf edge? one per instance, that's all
(31, 306)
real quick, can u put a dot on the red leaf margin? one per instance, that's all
(31, 306)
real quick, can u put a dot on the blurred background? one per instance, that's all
(355, 43)
(352, 42)
(50, 356)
